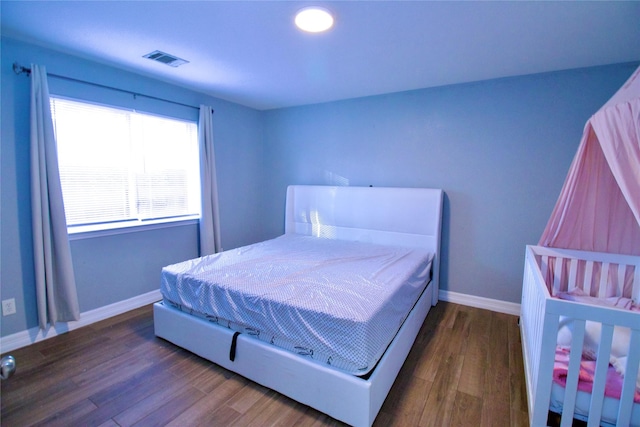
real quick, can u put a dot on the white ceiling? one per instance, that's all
(249, 52)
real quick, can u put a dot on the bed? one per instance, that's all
(397, 224)
(573, 377)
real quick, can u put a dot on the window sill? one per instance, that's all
(91, 231)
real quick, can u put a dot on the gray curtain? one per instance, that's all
(56, 293)
(209, 218)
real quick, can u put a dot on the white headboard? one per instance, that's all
(395, 216)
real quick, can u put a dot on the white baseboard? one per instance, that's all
(480, 302)
(33, 335)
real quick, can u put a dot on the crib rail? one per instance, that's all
(548, 271)
(597, 274)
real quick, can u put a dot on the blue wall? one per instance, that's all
(500, 149)
(114, 268)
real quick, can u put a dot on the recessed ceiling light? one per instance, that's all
(314, 19)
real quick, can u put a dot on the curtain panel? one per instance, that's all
(56, 293)
(209, 228)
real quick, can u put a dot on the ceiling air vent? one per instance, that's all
(165, 58)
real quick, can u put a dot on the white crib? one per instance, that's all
(548, 271)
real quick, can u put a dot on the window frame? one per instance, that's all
(85, 231)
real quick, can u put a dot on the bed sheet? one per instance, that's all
(337, 302)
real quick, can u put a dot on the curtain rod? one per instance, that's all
(19, 69)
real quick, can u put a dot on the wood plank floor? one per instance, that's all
(465, 369)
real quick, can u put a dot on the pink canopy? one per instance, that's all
(599, 205)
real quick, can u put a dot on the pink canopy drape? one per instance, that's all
(599, 205)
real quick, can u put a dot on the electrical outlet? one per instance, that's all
(8, 306)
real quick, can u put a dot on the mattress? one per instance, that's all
(583, 400)
(613, 383)
(337, 302)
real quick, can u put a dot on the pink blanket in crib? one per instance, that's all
(613, 387)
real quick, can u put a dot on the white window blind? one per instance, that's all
(123, 166)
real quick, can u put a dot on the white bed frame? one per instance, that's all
(397, 216)
(539, 321)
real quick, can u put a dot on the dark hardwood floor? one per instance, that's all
(465, 369)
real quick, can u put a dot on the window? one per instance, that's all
(120, 168)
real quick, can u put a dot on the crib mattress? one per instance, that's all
(337, 302)
(583, 400)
